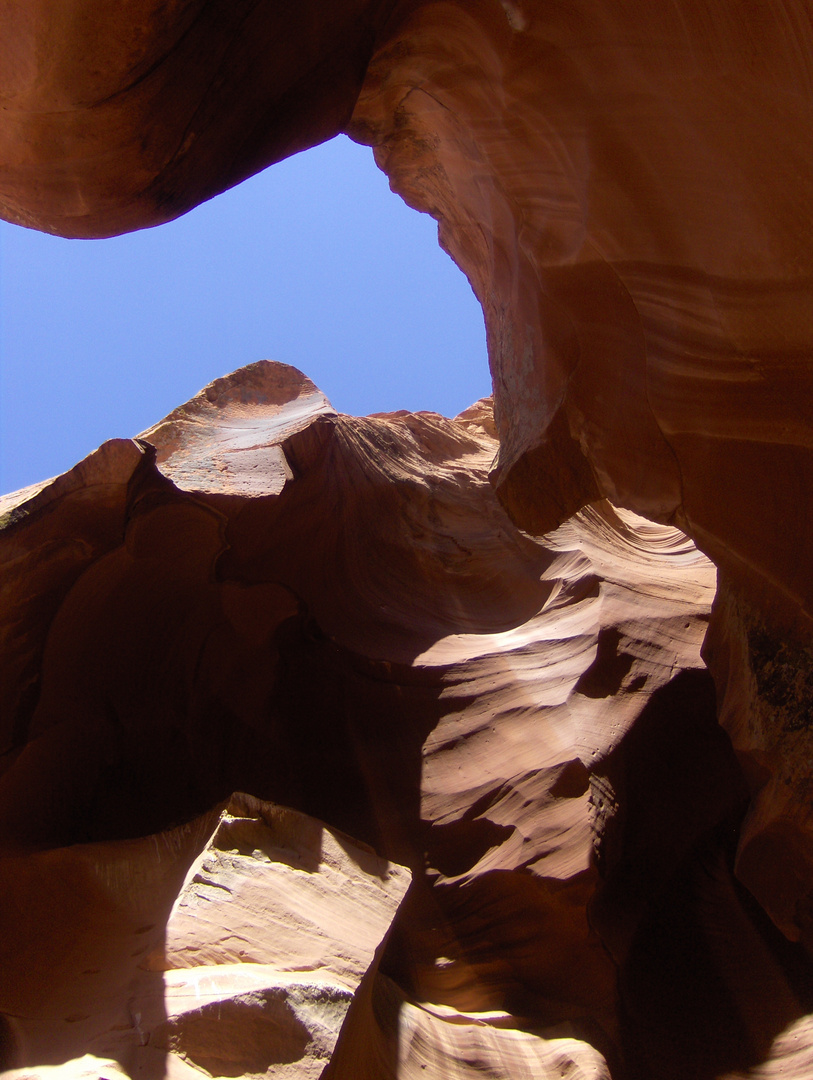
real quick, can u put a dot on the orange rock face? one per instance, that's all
(609, 178)
(503, 694)
(251, 969)
(523, 722)
(119, 117)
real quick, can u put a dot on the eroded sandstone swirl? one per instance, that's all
(503, 695)
(626, 186)
(337, 616)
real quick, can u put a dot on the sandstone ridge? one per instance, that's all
(627, 189)
(523, 723)
(473, 644)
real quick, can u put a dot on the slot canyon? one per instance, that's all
(405, 746)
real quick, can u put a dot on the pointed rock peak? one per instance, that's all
(226, 439)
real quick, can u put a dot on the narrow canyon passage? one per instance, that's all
(384, 746)
(336, 615)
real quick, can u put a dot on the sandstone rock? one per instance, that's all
(604, 177)
(250, 972)
(86, 1067)
(600, 173)
(765, 689)
(524, 722)
(626, 188)
(791, 1055)
(141, 133)
(338, 615)
(407, 1041)
(264, 405)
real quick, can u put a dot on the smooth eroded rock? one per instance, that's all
(525, 722)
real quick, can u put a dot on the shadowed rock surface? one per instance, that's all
(523, 722)
(242, 963)
(337, 614)
(627, 188)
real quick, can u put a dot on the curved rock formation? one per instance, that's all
(608, 177)
(337, 615)
(523, 722)
(119, 117)
(251, 970)
(626, 188)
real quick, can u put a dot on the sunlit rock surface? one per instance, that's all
(523, 722)
(246, 965)
(627, 187)
(337, 615)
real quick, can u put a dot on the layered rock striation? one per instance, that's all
(628, 191)
(502, 692)
(229, 946)
(624, 188)
(337, 615)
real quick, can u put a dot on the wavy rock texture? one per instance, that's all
(116, 116)
(627, 187)
(250, 971)
(606, 176)
(523, 722)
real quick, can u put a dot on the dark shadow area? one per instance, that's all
(709, 982)
(706, 982)
(670, 779)
(609, 669)
(275, 646)
(8, 1044)
(351, 733)
(457, 847)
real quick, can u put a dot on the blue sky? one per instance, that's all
(313, 262)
